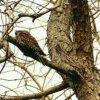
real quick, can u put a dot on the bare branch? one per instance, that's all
(4, 46)
(34, 16)
(39, 95)
(70, 71)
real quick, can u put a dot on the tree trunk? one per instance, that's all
(77, 48)
(82, 38)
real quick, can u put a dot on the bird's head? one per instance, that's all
(21, 32)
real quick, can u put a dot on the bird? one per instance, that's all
(31, 46)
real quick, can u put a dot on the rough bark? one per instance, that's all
(82, 38)
(80, 47)
(59, 36)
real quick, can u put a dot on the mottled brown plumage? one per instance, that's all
(25, 38)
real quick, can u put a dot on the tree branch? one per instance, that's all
(39, 95)
(3, 45)
(69, 71)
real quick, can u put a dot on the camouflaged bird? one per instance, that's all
(26, 39)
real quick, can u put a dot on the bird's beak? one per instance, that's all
(15, 32)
